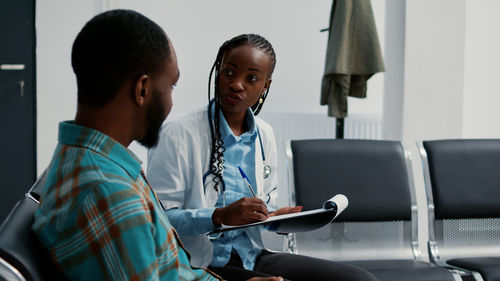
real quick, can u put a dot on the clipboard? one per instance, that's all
(301, 221)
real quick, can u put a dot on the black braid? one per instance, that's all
(217, 153)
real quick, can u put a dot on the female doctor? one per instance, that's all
(195, 170)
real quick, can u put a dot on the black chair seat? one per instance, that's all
(489, 267)
(404, 270)
(462, 183)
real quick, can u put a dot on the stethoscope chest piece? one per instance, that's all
(267, 171)
(267, 168)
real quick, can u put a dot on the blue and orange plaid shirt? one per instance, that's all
(99, 218)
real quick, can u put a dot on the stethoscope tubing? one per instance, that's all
(267, 169)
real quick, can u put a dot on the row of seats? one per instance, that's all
(378, 231)
(22, 258)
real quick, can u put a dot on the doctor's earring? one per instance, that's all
(261, 100)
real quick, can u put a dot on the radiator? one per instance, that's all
(295, 126)
(313, 125)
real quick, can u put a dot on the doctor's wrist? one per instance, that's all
(217, 217)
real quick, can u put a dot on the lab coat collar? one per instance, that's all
(227, 134)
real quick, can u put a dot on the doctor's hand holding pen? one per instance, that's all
(280, 211)
(247, 209)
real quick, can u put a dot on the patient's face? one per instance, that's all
(155, 116)
(161, 103)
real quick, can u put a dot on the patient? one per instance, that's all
(99, 218)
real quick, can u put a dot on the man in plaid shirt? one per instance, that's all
(99, 218)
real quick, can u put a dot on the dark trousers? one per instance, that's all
(292, 267)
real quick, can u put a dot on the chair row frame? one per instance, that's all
(5, 264)
(432, 247)
(417, 255)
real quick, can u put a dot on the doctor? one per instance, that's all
(195, 169)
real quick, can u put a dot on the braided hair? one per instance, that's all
(217, 152)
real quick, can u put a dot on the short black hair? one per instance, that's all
(113, 47)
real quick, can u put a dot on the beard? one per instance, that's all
(155, 116)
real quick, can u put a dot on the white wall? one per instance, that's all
(57, 23)
(440, 83)
(481, 114)
(434, 69)
(197, 29)
(395, 30)
(433, 81)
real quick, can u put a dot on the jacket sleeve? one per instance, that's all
(191, 222)
(170, 173)
(166, 163)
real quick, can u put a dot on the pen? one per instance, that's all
(245, 178)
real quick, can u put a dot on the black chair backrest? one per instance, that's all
(465, 177)
(372, 174)
(36, 190)
(20, 247)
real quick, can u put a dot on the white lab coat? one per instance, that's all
(180, 160)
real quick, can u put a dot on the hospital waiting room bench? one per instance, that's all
(378, 230)
(22, 257)
(462, 178)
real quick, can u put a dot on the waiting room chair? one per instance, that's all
(21, 255)
(462, 179)
(36, 190)
(378, 230)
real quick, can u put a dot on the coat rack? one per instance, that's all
(339, 130)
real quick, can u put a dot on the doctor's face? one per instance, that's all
(243, 78)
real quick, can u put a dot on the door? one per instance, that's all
(17, 101)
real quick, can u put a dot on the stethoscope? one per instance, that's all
(266, 168)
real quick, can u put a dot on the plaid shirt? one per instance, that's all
(99, 218)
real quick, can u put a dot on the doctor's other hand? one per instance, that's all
(246, 210)
(274, 278)
(286, 210)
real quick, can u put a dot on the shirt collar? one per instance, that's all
(227, 134)
(75, 135)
